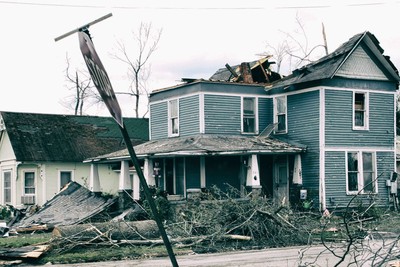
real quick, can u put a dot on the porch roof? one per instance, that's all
(203, 144)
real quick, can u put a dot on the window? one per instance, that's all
(360, 114)
(7, 186)
(29, 186)
(65, 178)
(280, 110)
(249, 115)
(361, 172)
(174, 117)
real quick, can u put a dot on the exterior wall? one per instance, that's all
(192, 170)
(222, 114)
(189, 115)
(158, 120)
(265, 112)
(339, 121)
(335, 180)
(303, 126)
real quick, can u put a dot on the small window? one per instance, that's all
(29, 186)
(361, 172)
(174, 117)
(7, 186)
(280, 117)
(65, 178)
(249, 115)
(360, 119)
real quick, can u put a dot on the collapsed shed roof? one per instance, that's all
(72, 205)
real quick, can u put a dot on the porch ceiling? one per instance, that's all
(209, 145)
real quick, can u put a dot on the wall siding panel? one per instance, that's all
(189, 122)
(265, 113)
(159, 120)
(339, 125)
(222, 114)
(303, 127)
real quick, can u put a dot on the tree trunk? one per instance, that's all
(122, 230)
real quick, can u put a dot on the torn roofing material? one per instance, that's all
(203, 144)
(72, 205)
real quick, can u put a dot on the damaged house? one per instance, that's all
(40, 153)
(327, 129)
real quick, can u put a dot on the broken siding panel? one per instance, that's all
(189, 116)
(222, 114)
(159, 120)
(265, 113)
(339, 120)
(303, 127)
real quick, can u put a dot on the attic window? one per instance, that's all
(173, 119)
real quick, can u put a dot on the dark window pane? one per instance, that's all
(282, 123)
(353, 181)
(248, 125)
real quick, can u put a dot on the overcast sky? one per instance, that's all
(198, 38)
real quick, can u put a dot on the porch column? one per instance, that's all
(124, 187)
(297, 176)
(253, 174)
(148, 172)
(124, 179)
(94, 180)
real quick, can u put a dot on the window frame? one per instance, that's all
(276, 114)
(24, 188)
(366, 111)
(59, 177)
(360, 173)
(5, 201)
(253, 116)
(171, 118)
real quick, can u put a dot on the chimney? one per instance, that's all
(246, 72)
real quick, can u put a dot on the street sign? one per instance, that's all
(100, 77)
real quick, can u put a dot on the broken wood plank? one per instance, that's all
(24, 252)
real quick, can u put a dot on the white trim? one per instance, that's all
(255, 115)
(360, 90)
(322, 186)
(211, 93)
(150, 120)
(363, 149)
(366, 114)
(201, 114)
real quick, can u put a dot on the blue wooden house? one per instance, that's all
(328, 130)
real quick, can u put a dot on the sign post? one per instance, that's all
(103, 85)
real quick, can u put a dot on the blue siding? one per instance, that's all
(335, 180)
(339, 124)
(189, 122)
(222, 114)
(303, 127)
(159, 120)
(265, 113)
(192, 172)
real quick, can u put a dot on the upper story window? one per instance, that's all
(65, 178)
(249, 115)
(361, 175)
(29, 183)
(173, 117)
(360, 111)
(280, 114)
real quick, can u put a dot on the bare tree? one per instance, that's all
(82, 84)
(295, 50)
(146, 43)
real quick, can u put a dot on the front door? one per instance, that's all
(281, 179)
